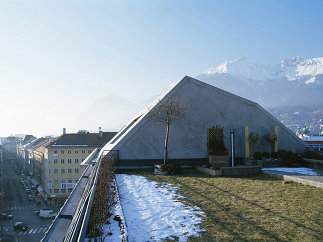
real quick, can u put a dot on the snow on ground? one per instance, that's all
(154, 213)
(299, 170)
(113, 228)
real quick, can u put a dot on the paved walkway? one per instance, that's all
(316, 181)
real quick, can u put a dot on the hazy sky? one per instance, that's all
(58, 57)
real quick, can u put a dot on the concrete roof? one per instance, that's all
(210, 105)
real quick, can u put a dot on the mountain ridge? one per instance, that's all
(284, 88)
(292, 81)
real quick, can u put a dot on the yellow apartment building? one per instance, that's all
(62, 159)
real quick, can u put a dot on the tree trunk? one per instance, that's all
(166, 143)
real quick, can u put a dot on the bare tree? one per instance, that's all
(270, 139)
(168, 111)
(254, 137)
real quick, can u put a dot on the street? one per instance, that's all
(15, 202)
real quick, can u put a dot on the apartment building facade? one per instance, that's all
(9, 148)
(62, 159)
(1, 156)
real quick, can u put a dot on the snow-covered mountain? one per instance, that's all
(291, 82)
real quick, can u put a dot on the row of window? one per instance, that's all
(69, 171)
(70, 151)
(63, 181)
(69, 161)
(62, 190)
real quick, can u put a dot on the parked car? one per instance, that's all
(31, 198)
(20, 226)
(6, 216)
(38, 211)
(47, 214)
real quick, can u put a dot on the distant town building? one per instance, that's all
(61, 168)
(9, 148)
(36, 157)
(22, 151)
(313, 142)
(1, 156)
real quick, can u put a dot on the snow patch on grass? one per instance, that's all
(299, 170)
(154, 212)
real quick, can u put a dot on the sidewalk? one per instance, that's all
(312, 180)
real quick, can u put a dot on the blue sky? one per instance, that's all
(59, 57)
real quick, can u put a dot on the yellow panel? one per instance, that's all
(247, 142)
(276, 141)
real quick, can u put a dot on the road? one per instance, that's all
(16, 203)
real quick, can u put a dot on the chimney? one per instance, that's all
(100, 133)
(64, 130)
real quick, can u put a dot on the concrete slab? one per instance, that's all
(316, 181)
(231, 171)
(209, 171)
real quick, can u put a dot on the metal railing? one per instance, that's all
(78, 226)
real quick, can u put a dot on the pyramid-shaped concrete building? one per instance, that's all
(141, 141)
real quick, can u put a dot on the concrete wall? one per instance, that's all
(209, 106)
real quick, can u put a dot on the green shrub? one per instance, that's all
(215, 141)
(281, 153)
(170, 168)
(288, 158)
(266, 155)
(274, 155)
(257, 155)
(313, 155)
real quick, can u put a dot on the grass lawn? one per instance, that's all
(251, 208)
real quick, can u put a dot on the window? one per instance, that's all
(83, 159)
(62, 151)
(76, 170)
(76, 180)
(55, 171)
(76, 161)
(89, 151)
(83, 151)
(76, 151)
(50, 190)
(62, 171)
(69, 170)
(62, 161)
(48, 171)
(48, 161)
(69, 161)
(70, 190)
(56, 190)
(55, 151)
(63, 181)
(63, 190)
(69, 152)
(55, 161)
(70, 181)
(55, 181)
